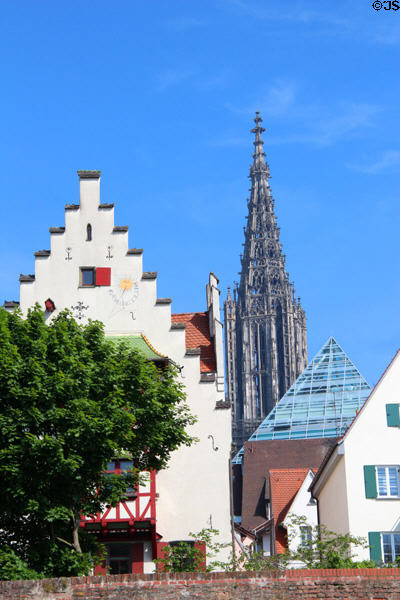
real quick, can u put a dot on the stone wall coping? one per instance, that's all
(200, 577)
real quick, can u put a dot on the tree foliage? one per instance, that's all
(71, 401)
(325, 550)
(187, 557)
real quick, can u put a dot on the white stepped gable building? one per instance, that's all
(358, 487)
(91, 270)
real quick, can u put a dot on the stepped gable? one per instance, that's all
(198, 336)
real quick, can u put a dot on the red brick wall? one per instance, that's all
(328, 584)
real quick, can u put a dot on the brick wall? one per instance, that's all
(315, 584)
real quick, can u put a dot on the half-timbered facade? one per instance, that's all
(129, 528)
(91, 269)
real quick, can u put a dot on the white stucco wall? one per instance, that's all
(194, 490)
(302, 506)
(369, 441)
(333, 499)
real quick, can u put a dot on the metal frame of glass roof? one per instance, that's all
(321, 403)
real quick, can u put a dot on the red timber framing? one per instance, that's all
(133, 520)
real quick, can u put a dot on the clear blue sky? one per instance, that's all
(160, 95)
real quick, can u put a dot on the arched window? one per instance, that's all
(89, 233)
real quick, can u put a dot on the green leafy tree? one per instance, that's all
(71, 401)
(325, 549)
(13, 567)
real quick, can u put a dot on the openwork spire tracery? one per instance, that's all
(265, 326)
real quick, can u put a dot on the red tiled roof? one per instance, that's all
(284, 485)
(198, 336)
(252, 485)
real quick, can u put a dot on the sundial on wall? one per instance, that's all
(124, 291)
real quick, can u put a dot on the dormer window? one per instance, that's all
(88, 232)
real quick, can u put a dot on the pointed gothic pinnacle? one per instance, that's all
(259, 154)
(229, 297)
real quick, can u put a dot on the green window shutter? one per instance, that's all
(393, 415)
(374, 540)
(370, 481)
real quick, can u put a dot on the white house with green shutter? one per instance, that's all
(358, 487)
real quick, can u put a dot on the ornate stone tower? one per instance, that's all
(265, 327)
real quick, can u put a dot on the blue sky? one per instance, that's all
(160, 95)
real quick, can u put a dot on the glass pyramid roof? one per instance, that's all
(322, 402)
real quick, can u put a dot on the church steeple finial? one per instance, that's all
(259, 154)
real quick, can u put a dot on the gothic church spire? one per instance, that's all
(265, 330)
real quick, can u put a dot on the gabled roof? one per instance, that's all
(284, 486)
(321, 403)
(198, 336)
(327, 464)
(266, 455)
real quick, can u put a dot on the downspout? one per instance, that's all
(273, 540)
(231, 511)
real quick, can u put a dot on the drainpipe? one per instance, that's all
(273, 540)
(232, 515)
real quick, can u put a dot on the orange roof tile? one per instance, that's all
(284, 485)
(198, 336)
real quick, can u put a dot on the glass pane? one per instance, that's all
(111, 466)
(387, 547)
(321, 403)
(305, 534)
(393, 481)
(126, 465)
(118, 567)
(381, 477)
(396, 545)
(87, 276)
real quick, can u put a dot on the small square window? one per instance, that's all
(305, 536)
(87, 277)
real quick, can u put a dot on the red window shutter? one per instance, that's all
(160, 554)
(101, 569)
(103, 276)
(202, 548)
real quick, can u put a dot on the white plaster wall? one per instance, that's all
(333, 500)
(371, 442)
(195, 486)
(302, 506)
(148, 564)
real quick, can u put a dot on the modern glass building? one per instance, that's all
(321, 403)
